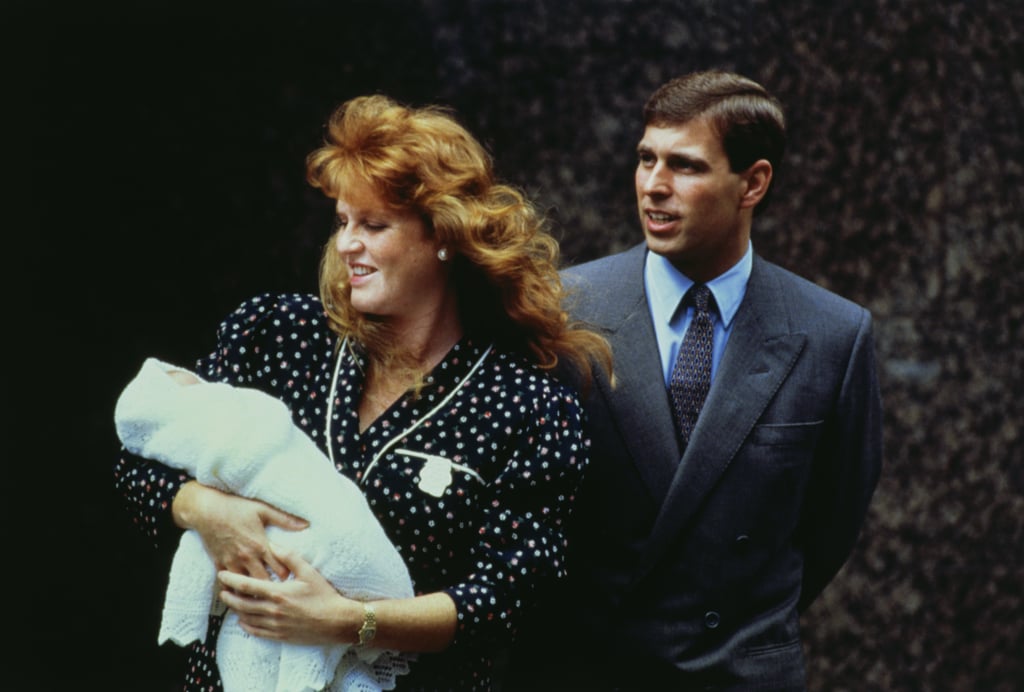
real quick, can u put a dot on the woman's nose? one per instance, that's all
(346, 242)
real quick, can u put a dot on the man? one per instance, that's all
(712, 512)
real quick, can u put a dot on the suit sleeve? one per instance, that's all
(847, 467)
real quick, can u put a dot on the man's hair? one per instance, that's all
(747, 119)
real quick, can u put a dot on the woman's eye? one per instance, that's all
(339, 223)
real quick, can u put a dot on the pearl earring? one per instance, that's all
(442, 254)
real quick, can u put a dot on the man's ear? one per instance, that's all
(757, 178)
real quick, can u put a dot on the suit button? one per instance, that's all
(743, 542)
(711, 619)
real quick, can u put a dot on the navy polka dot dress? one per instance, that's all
(472, 480)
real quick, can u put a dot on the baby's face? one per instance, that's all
(182, 377)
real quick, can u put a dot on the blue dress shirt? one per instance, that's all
(665, 286)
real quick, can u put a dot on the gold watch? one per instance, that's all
(369, 629)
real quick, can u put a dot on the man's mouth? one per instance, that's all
(660, 217)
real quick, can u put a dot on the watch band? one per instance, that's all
(369, 629)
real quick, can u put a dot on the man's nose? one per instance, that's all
(656, 182)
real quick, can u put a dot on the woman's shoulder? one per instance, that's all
(276, 312)
(282, 328)
(522, 374)
(276, 317)
(290, 306)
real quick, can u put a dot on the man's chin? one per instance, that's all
(662, 245)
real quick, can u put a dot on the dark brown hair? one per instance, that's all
(748, 119)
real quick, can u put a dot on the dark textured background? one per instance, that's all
(159, 147)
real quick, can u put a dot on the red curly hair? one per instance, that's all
(505, 261)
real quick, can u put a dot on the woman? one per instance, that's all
(423, 372)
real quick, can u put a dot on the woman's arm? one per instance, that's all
(147, 489)
(233, 528)
(308, 610)
(520, 552)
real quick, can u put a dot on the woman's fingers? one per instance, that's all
(257, 567)
(272, 516)
(275, 565)
(249, 559)
(233, 529)
(303, 609)
(243, 594)
(288, 558)
(239, 584)
(294, 563)
(253, 601)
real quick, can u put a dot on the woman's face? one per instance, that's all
(392, 263)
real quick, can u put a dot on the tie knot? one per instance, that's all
(700, 296)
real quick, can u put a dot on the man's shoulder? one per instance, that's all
(806, 297)
(605, 286)
(608, 267)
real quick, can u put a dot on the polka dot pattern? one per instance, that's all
(472, 480)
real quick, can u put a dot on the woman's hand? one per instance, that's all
(233, 528)
(305, 609)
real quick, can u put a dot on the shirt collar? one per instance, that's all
(666, 287)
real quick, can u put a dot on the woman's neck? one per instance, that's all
(422, 348)
(423, 343)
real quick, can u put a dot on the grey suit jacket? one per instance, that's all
(688, 568)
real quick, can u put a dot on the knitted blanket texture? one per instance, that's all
(244, 442)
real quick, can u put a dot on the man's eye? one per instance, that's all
(683, 166)
(645, 157)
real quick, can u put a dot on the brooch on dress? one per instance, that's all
(435, 476)
(436, 472)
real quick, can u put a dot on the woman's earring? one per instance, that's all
(442, 254)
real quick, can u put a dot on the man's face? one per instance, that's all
(692, 206)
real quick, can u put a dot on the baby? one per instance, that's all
(243, 441)
(183, 377)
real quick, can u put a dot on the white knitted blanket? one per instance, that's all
(244, 442)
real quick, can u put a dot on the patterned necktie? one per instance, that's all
(691, 375)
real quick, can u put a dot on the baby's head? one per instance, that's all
(183, 377)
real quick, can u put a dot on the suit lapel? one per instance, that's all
(639, 403)
(758, 358)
